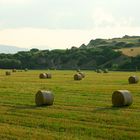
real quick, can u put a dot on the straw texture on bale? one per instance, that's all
(48, 75)
(42, 76)
(44, 98)
(77, 77)
(82, 74)
(133, 79)
(25, 69)
(121, 98)
(7, 73)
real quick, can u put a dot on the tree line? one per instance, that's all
(74, 58)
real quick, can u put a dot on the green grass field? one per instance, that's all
(82, 110)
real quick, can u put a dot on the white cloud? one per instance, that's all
(100, 16)
(28, 37)
(104, 18)
(7, 2)
(60, 39)
(2, 22)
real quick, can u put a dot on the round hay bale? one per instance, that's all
(99, 71)
(121, 98)
(82, 74)
(105, 70)
(133, 79)
(14, 70)
(77, 76)
(49, 76)
(44, 98)
(25, 69)
(42, 76)
(7, 73)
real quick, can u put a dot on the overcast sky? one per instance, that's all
(61, 24)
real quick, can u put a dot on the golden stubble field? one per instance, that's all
(82, 110)
(131, 51)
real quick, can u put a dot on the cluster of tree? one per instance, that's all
(88, 58)
(98, 53)
(132, 64)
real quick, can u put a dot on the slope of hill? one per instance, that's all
(10, 49)
(114, 43)
(98, 53)
(130, 51)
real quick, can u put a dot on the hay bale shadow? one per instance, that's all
(99, 109)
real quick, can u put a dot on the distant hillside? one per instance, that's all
(10, 49)
(98, 53)
(115, 43)
(135, 51)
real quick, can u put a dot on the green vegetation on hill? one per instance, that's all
(59, 59)
(98, 53)
(115, 43)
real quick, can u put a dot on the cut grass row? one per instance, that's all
(81, 110)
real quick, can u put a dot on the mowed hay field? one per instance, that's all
(82, 110)
(131, 51)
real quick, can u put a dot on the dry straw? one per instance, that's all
(48, 75)
(133, 79)
(44, 98)
(7, 73)
(42, 76)
(82, 74)
(77, 76)
(25, 69)
(121, 98)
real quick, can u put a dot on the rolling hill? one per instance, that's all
(114, 43)
(130, 51)
(11, 49)
(98, 53)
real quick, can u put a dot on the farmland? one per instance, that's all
(82, 109)
(131, 51)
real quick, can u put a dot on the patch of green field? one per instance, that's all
(82, 109)
(127, 40)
